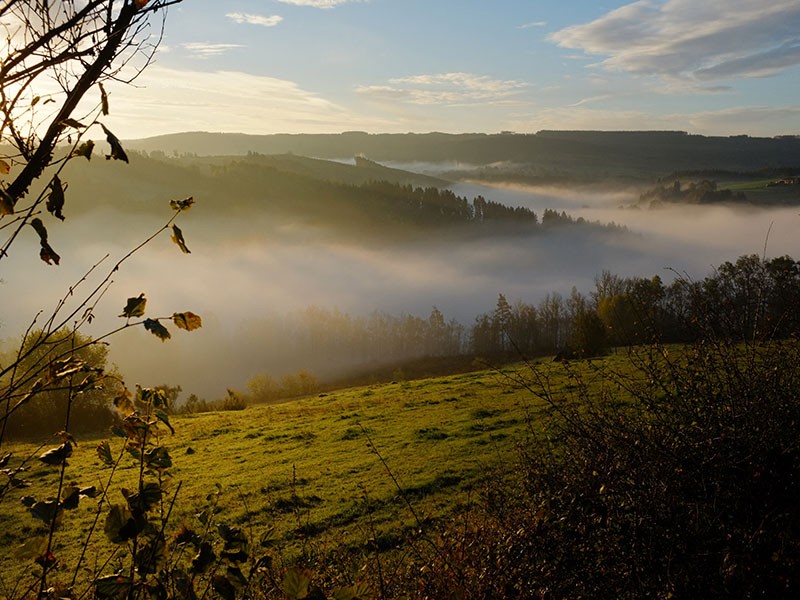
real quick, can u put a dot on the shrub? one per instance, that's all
(681, 479)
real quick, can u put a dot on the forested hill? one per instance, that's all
(340, 198)
(363, 171)
(576, 152)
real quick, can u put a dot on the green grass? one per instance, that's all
(758, 192)
(306, 467)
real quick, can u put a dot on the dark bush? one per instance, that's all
(682, 479)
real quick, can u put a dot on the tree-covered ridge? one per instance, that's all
(594, 153)
(319, 193)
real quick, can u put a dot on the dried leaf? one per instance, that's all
(44, 510)
(85, 150)
(61, 368)
(134, 307)
(185, 204)
(73, 123)
(69, 497)
(103, 99)
(204, 558)
(140, 4)
(88, 491)
(6, 205)
(117, 152)
(164, 418)
(157, 329)
(47, 253)
(296, 582)
(104, 453)
(40, 228)
(151, 557)
(149, 497)
(187, 320)
(177, 237)
(5, 168)
(124, 404)
(158, 458)
(120, 525)
(55, 201)
(56, 456)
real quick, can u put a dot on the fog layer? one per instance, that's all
(248, 269)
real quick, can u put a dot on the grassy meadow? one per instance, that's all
(305, 471)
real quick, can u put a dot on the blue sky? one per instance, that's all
(717, 67)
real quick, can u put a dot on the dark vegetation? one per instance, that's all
(702, 192)
(678, 480)
(379, 206)
(573, 153)
(46, 411)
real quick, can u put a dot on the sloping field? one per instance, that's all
(317, 471)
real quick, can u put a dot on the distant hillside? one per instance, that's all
(585, 153)
(368, 201)
(362, 172)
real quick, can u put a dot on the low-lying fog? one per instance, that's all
(244, 270)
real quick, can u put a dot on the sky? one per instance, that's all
(717, 67)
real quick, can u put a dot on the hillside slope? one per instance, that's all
(576, 152)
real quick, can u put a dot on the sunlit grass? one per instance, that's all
(308, 467)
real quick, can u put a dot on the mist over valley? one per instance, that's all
(274, 238)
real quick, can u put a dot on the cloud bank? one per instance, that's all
(683, 39)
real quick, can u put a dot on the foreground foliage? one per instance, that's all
(686, 488)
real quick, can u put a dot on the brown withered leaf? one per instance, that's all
(157, 329)
(117, 151)
(187, 320)
(103, 99)
(134, 307)
(184, 204)
(55, 201)
(177, 237)
(85, 150)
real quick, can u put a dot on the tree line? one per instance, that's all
(749, 298)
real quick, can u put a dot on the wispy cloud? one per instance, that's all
(533, 24)
(317, 3)
(695, 41)
(591, 100)
(444, 88)
(208, 50)
(250, 19)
